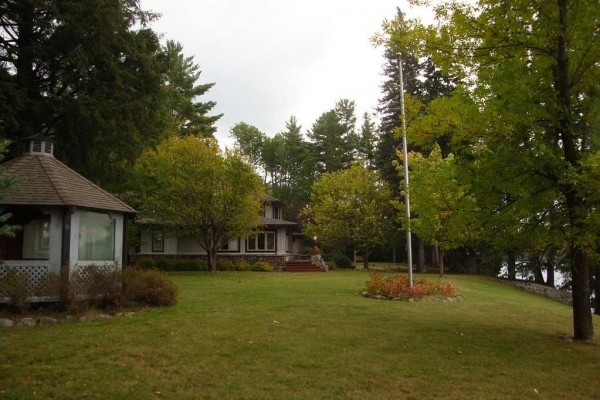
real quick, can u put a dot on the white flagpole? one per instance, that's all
(406, 182)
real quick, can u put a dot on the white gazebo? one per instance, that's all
(65, 222)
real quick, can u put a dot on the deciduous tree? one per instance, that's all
(349, 207)
(532, 70)
(190, 187)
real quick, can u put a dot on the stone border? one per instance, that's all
(430, 299)
(561, 296)
(28, 322)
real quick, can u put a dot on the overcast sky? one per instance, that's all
(270, 59)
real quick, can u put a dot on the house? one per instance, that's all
(275, 240)
(66, 223)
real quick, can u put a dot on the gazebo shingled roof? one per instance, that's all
(43, 180)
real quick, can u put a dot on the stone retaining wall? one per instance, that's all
(543, 290)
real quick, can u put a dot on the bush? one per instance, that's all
(331, 265)
(341, 260)
(15, 285)
(226, 265)
(263, 266)
(151, 287)
(172, 265)
(243, 265)
(99, 285)
(397, 286)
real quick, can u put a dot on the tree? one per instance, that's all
(349, 207)
(5, 184)
(366, 141)
(333, 137)
(443, 207)
(534, 74)
(189, 116)
(194, 190)
(87, 76)
(249, 142)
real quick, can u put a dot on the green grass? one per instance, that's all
(308, 336)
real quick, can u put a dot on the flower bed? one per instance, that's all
(396, 287)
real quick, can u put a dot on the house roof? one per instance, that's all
(270, 221)
(269, 199)
(43, 180)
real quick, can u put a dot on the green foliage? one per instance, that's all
(6, 181)
(333, 139)
(188, 115)
(226, 265)
(285, 161)
(263, 266)
(443, 207)
(243, 265)
(398, 286)
(172, 265)
(194, 190)
(150, 287)
(86, 76)
(341, 261)
(524, 124)
(349, 207)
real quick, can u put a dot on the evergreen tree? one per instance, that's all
(85, 74)
(333, 138)
(189, 116)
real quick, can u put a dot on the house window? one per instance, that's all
(158, 242)
(261, 241)
(96, 237)
(36, 239)
(225, 246)
(276, 213)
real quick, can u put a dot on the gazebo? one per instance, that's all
(65, 222)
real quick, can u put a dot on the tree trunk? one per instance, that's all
(422, 268)
(583, 327)
(596, 284)
(211, 254)
(441, 263)
(549, 272)
(365, 259)
(580, 264)
(511, 262)
(435, 257)
(536, 267)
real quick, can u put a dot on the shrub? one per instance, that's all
(243, 265)
(225, 265)
(172, 265)
(397, 286)
(341, 260)
(151, 287)
(263, 266)
(15, 285)
(331, 265)
(100, 285)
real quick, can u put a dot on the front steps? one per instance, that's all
(301, 266)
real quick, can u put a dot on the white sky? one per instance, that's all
(274, 58)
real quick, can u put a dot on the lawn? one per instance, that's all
(305, 336)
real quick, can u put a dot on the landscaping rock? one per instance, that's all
(104, 316)
(26, 323)
(87, 318)
(47, 321)
(6, 323)
(69, 319)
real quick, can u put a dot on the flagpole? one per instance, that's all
(406, 181)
